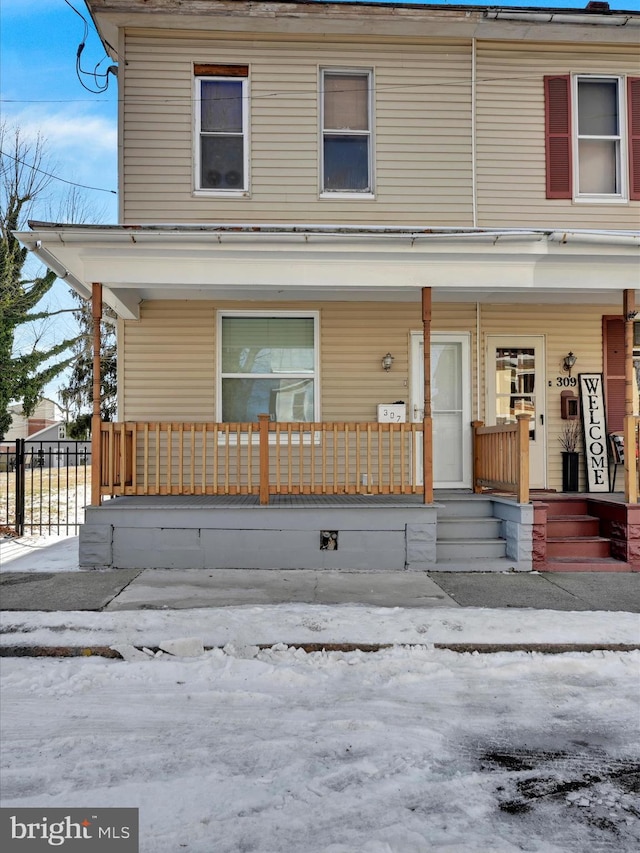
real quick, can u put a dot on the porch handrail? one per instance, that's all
(631, 440)
(501, 457)
(265, 458)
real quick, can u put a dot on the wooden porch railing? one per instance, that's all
(631, 439)
(501, 457)
(260, 459)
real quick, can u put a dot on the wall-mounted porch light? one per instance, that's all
(387, 361)
(568, 361)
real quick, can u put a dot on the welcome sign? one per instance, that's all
(594, 426)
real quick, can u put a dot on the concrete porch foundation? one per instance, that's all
(385, 533)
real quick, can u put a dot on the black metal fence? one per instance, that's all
(44, 486)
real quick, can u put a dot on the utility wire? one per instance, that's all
(100, 87)
(55, 177)
(312, 92)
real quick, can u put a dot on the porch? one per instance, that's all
(303, 531)
(271, 495)
(335, 496)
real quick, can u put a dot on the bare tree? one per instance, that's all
(23, 181)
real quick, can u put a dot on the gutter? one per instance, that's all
(595, 237)
(63, 274)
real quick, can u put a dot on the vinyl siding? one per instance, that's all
(168, 363)
(510, 139)
(169, 356)
(421, 139)
(422, 131)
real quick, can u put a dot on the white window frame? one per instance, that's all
(348, 194)
(198, 133)
(305, 315)
(620, 138)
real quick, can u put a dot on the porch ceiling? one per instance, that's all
(136, 263)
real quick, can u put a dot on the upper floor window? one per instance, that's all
(592, 138)
(599, 140)
(221, 128)
(346, 132)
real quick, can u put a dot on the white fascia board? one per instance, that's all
(159, 259)
(375, 273)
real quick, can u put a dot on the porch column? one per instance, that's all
(96, 447)
(427, 433)
(630, 461)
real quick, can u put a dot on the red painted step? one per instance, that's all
(573, 543)
(559, 526)
(566, 564)
(564, 505)
(579, 547)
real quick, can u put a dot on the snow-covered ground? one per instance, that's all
(406, 750)
(410, 749)
(30, 553)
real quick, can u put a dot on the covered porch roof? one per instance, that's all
(320, 262)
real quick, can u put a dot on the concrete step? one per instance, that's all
(470, 549)
(559, 526)
(468, 528)
(579, 547)
(465, 508)
(598, 564)
(497, 564)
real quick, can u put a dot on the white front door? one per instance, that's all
(515, 385)
(450, 406)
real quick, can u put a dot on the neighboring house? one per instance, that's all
(49, 447)
(307, 188)
(45, 414)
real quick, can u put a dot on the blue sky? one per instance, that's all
(40, 92)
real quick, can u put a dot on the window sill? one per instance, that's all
(221, 194)
(349, 196)
(279, 439)
(600, 199)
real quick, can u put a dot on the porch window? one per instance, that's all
(221, 129)
(268, 365)
(515, 385)
(346, 132)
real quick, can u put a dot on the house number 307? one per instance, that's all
(566, 381)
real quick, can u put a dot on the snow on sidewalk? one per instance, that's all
(307, 623)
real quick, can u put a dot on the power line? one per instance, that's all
(311, 92)
(100, 87)
(55, 177)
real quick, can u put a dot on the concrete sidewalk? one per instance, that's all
(162, 589)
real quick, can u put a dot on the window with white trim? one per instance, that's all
(268, 364)
(599, 139)
(592, 137)
(221, 129)
(346, 132)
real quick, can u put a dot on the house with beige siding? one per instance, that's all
(372, 262)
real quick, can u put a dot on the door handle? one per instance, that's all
(542, 420)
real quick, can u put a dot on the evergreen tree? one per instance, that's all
(23, 375)
(77, 395)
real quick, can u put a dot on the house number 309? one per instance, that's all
(566, 381)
